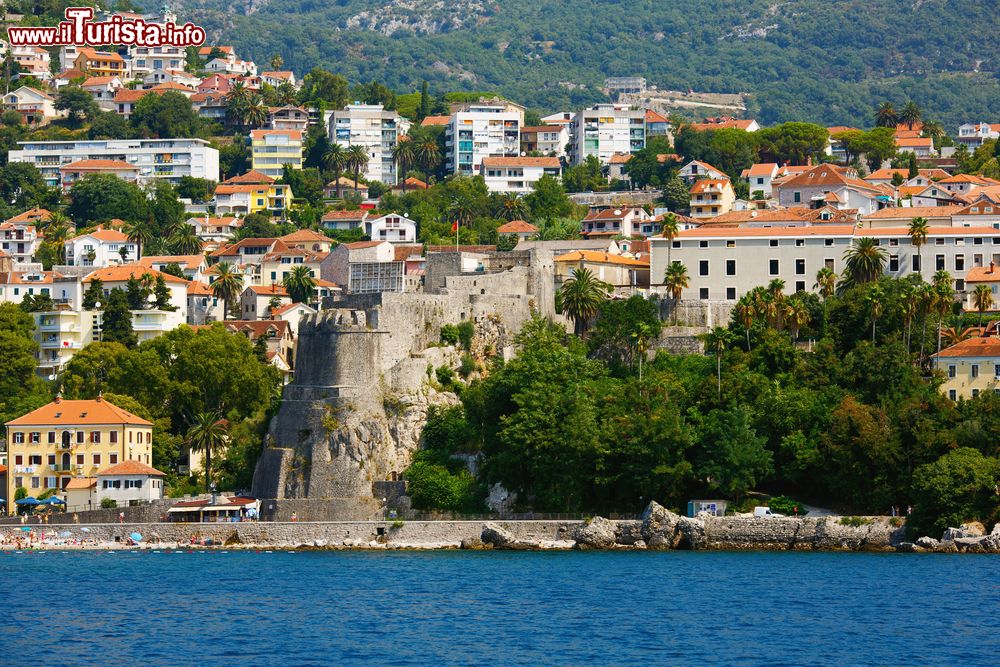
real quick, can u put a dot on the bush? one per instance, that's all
(854, 521)
(108, 504)
(432, 486)
(785, 505)
(20, 493)
(449, 334)
(466, 330)
(445, 376)
(467, 367)
(958, 487)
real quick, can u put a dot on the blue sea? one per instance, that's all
(464, 608)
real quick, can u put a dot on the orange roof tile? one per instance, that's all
(130, 467)
(973, 347)
(83, 412)
(983, 274)
(435, 120)
(305, 236)
(81, 483)
(294, 135)
(122, 272)
(517, 227)
(548, 162)
(252, 176)
(595, 257)
(31, 215)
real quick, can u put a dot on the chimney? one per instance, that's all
(58, 397)
(992, 266)
(100, 396)
(809, 161)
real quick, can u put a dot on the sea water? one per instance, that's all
(442, 608)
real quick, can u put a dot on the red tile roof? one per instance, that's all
(547, 162)
(251, 177)
(121, 273)
(82, 412)
(517, 227)
(131, 467)
(973, 347)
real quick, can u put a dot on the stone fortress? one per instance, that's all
(352, 417)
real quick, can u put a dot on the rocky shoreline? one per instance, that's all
(658, 529)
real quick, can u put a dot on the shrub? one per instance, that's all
(958, 487)
(108, 503)
(854, 521)
(466, 330)
(785, 505)
(432, 486)
(467, 366)
(449, 334)
(20, 493)
(445, 376)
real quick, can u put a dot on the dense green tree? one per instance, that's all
(77, 103)
(548, 200)
(300, 284)
(109, 125)
(99, 197)
(619, 328)
(676, 195)
(116, 325)
(732, 456)
(166, 115)
(960, 486)
(198, 190)
(792, 142)
(580, 298)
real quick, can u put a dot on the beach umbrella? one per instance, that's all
(26, 529)
(28, 501)
(65, 533)
(85, 529)
(136, 536)
(53, 500)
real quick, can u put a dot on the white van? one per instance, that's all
(765, 512)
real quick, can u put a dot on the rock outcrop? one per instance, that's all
(598, 533)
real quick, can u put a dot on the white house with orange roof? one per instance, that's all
(988, 275)
(309, 240)
(711, 197)
(966, 183)
(613, 221)
(518, 228)
(919, 146)
(275, 266)
(18, 284)
(215, 229)
(288, 117)
(179, 77)
(35, 106)
(392, 227)
(194, 267)
(145, 59)
(74, 171)
(19, 236)
(518, 174)
(616, 270)
(344, 220)
(758, 178)
(101, 247)
(278, 77)
(696, 169)
(103, 89)
(112, 277)
(828, 184)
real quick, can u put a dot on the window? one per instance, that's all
(95, 437)
(35, 438)
(703, 267)
(975, 393)
(916, 263)
(149, 437)
(18, 438)
(702, 244)
(774, 243)
(800, 286)
(960, 262)
(35, 460)
(799, 243)
(19, 460)
(800, 267)
(893, 243)
(938, 241)
(79, 437)
(796, 197)
(133, 483)
(112, 458)
(52, 437)
(114, 437)
(939, 262)
(52, 459)
(34, 482)
(893, 263)
(828, 263)
(676, 244)
(977, 240)
(951, 371)
(112, 484)
(731, 243)
(97, 459)
(772, 267)
(731, 293)
(703, 293)
(974, 371)
(79, 459)
(51, 483)
(996, 370)
(730, 267)
(828, 242)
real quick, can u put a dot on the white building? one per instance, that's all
(101, 247)
(605, 130)
(60, 334)
(518, 174)
(147, 323)
(724, 263)
(146, 59)
(166, 159)
(758, 178)
(128, 481)
(378, 130)
(16, 285)
(545, 139)
(696, 169)
(19, 239)
(34, 106)
(478, 131)
(975, 135)
(393, 227)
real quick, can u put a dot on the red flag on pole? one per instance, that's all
(454, 226)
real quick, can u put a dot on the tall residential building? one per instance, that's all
(605, 130)
(66, 440)
(378, 130)
(156, 159)
(478, 131)
(271, 150)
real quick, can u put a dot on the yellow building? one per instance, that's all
(271, 150)
(100, 63)
(252, 192)
(617, 270)
(67, 439)
(970, 367)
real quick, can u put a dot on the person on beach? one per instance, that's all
(76, 518)
(295, 517)
(121, 517)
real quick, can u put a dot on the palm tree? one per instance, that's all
(885, 115)
(826, 283)
(876, 306)
(934, 130)
(256, 113)
(776, 292)
(910, 303)
(671, 228)
(237, 104)
(207, 433)
(927, 299)
(227, 284)
(910, 114)
(300, 284)
(797, 316)
(717, 340)
(944, 296)
(139, 232)
(357, 160)
(580, 297)
(954, 336)
(983, 298)
(865, 261)
(510, 206)
(335, 159)
(918, 237)
(185, 241)
(676, 280)
(641, 337)
(405, 154)
(745, 312)
(428, 155)
(462, 211)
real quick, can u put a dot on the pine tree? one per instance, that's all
(117, 325)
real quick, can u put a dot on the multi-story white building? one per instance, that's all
(975, 135)
(545, 139)
(156, 159)
(605, 130)
(518, 174)
(271, 150)
(145, 59)
(62, 333)
(394, 228)
(19, 239)
(378, 130)
(481, 130)
(724, 263)
(101, 247)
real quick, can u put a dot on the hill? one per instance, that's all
(828, 62)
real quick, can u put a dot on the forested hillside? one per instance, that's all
(827, 62)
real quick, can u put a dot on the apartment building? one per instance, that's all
(611, 222)
(101, 63)
(518, 174)
(146, 59)
(605, 130)
(975, 135)
(100, 247)
(252, 192)
(711, 197)
(378, 130)
(66, 440)
(478, 131)
(60, 334)
(724, 263)
(19, 239)
(271, 150)
(156, 159)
